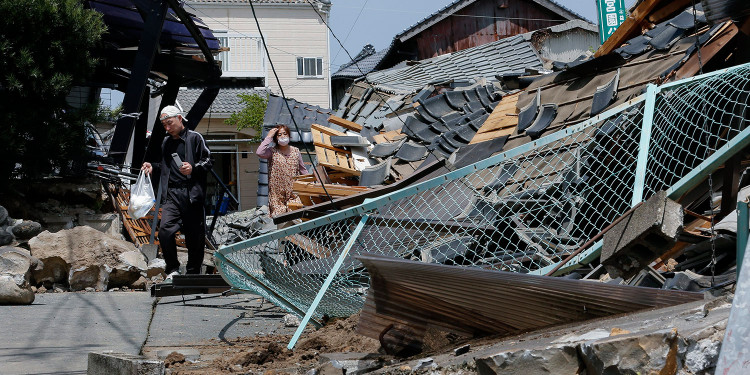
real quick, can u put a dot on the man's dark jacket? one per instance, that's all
(198, 155)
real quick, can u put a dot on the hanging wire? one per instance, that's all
(351, 29)
(286, 102)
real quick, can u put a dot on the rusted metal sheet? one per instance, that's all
(483, 22)
(407, 298)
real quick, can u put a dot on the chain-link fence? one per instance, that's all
(523, 210)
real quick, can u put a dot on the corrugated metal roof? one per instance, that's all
(406, 297)
(509, 55)
(226, 101)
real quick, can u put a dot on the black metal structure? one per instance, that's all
(154, 44)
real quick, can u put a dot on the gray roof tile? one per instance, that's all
(226, 101)
(509, 55)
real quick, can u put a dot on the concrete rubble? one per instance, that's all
(239, 226)
(684, 339)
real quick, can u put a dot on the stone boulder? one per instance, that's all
(80, 257)
(5, 237)
(132, 265)
(26, 229)
(15, 274)
(3, 215)
(156, 267)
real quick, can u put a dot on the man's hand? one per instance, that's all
(146, 167)
(186, 168)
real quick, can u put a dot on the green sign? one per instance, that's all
(611, 14)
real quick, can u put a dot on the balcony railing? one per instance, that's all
(245, 58)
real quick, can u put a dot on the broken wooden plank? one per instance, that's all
(344, 123)
(326, 130)
(312, 189)
(309, 245)
(707, 52)
(328, 155)
(502, 121)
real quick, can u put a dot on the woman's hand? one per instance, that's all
(271, 133)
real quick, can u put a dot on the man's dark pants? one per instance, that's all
(179, 214)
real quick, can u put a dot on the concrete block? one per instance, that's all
(113, 363)
(107, 223)
(642, 237)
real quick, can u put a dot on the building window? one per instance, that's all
(310, 67)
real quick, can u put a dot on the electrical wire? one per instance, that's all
(286, 102)
(350, 30)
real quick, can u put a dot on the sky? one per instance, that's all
(359, 22)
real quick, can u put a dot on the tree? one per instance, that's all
(252, 115)
(46, 46)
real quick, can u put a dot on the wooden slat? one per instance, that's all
(344, 123)
(310, 189)
(328, 155)
(502, 121)
(387, 137)
(326, 130)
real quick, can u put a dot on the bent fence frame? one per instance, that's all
(522, 210)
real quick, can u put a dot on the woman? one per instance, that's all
(284, 163)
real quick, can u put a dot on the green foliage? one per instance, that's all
(252, 115)
(46, 46)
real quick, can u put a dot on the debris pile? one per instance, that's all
(240, 226)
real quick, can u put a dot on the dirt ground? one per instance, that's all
(269, 355)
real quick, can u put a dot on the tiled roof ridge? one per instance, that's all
(367, 51)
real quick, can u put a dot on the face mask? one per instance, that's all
(283, 141)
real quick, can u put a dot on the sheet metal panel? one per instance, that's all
(414, 296)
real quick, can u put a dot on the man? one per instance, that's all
(184, 189)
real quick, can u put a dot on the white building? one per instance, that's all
(298, 45)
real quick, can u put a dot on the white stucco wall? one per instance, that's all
(290, 30)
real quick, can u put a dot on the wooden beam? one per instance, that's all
(344, 123)
(326, 130)
(311, 189)
(707, 52)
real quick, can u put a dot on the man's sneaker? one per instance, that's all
(168, 280)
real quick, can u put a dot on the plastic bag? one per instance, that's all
(141, 197)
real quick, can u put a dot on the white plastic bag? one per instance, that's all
(141, 197)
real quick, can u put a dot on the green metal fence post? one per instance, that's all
(329, 279)
(743, 225)
(645, 143)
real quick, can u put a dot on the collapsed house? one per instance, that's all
(533, 173)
